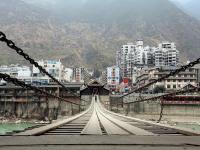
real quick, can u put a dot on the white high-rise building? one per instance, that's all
(132, 55)
(166, 55)
(53, 67)
(137, 55)
(125, 59)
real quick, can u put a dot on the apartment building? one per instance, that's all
(113, 77)
(103, 77)
(78, 75)
(68, 74)
(16, 71)
(166, 55)
(137, 55)
(188, 77)
(134, 55)
(53, 67)
(125, 59)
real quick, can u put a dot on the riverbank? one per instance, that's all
(189, 122)
(12, 124)
(6, 128)
(20, 120)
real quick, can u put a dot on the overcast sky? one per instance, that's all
(181, 1)
(54, 1)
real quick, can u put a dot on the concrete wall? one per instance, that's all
(151, 110)
(86, 101)
(105, 99)
(154, 108)
(38, 109)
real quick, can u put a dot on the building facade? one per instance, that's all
(166, 55)
(125, 59)
(68, 74)
(53, 67)
(103, 77)
(113, 77)
(134, 55)
(137, 55)
(78, 75)
(188, 77)
(16, 71)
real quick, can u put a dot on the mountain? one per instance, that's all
(89, 32)
(192, 7)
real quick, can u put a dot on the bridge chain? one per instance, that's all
(172, 73)
(22, 84)
(19, 51)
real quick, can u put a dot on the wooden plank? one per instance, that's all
(93, 126)
(125, 126)
(111, 128)
(43, 129)
(180, 130)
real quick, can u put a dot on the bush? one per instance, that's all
(159, 89)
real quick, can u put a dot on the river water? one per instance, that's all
(9, 127)
(192, 126)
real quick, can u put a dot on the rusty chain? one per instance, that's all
(22, 84)
(161, 111)
(172, 73)
(19, 51)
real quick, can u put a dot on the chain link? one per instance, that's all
(161, 111)
(17, 82)
(19, 51)
(196, 89)
(142, 99)
(172, 73)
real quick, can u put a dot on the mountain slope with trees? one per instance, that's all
(89, 33)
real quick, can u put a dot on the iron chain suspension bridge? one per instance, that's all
(93, 126)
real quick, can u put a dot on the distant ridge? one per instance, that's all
(90, 33)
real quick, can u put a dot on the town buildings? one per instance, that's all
(113, 77)
(16, 71)
(125, 59)
(68, 74)
(138, 56)
(53, 67)
(32, 75)
(78, 75)
(103, 77)
(166, 55)
(178, 82)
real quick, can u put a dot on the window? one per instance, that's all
(192, 75)
(168, 86)
(191, 70)
(174, 86)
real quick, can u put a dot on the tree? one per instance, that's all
(97, 73)
(159, 89)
